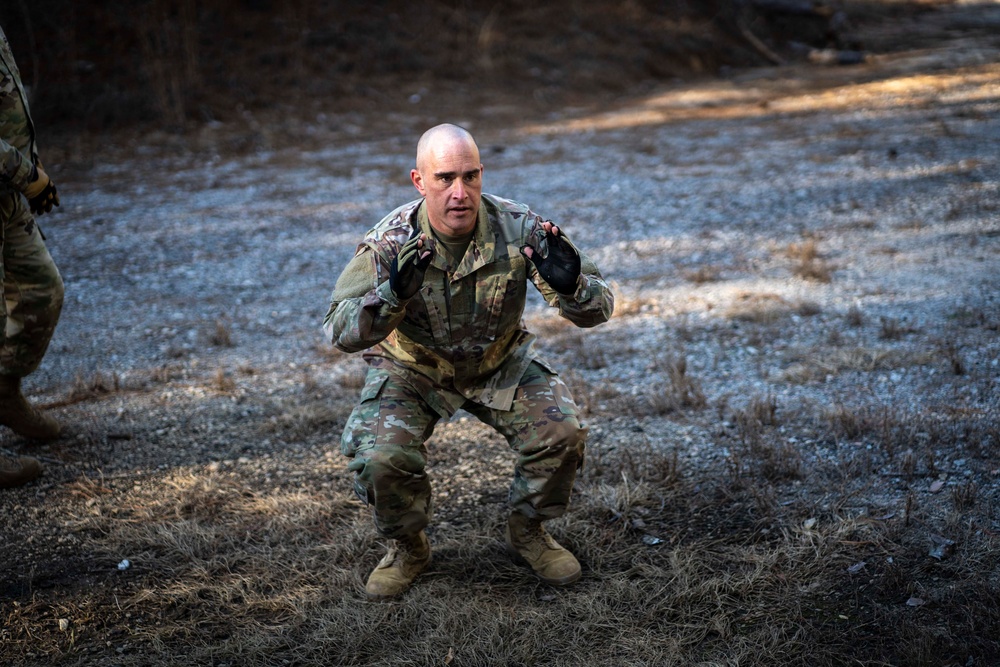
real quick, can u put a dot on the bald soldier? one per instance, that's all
(434, 297)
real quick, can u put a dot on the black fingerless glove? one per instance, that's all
(560, 268)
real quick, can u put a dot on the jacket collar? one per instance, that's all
(481, 250)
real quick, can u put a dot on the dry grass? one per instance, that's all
(98, 384)
(593, 398)
(808, 262)
(761, 452)
(703, 274)
(672, 389)
(816, 366)
(223, 382)
(758, 308)
(222, 335)
(678, 570)
(891, 328)
(855, 316)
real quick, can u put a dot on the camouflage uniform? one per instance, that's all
(459, 343)
(32, 286)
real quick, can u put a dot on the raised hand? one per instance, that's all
(406, 274)
(559, 266)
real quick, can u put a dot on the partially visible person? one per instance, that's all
(32, 286)
(434, 297)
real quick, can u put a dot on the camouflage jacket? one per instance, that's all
(17, 135)
(463, 331)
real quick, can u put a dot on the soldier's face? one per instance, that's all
(451, 181)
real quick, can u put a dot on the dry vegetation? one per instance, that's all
(786, 466)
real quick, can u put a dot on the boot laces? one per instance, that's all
(403, 551)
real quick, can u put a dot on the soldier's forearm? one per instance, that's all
(592, 304)
(357, 324)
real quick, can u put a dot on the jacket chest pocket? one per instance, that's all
(499, 304)
(428, 313)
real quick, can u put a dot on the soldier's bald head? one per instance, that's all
(441, 138)
(449, 176)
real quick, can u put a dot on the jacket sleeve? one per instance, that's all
(15, 169)
(15, 166)
(363, 309)
(591, 304)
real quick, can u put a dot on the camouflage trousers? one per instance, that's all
(32, 290)
(386, 438)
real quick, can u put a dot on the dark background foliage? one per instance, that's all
(173, 62)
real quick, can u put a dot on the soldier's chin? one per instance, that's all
(461, 218)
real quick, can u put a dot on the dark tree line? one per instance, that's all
(173, 62)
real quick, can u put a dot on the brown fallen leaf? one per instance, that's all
(943, 547)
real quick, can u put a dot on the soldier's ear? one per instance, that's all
(418, 182)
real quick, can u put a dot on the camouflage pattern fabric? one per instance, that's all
(32, 286)
(463, 329)
(32, 289)
(17, 134)
(386, 437)
(459, 343)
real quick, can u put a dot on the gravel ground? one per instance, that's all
(814, 238)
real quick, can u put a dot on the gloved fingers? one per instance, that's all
(406, 273)
(536, 241)
(561, 248)
(410, 251)
(423, 259)
(43, 202)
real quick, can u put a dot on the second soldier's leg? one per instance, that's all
(33, 298)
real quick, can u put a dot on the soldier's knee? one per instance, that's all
(563, 437)
(387, 462)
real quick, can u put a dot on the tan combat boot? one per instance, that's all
(528, 542)
(19, 415)
(19, 471)
(406, 559)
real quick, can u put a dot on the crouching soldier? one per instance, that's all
(434, 296)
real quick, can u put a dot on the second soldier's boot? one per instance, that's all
(407, 557)
(18, 471)
(20, 416)
(528, 542)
